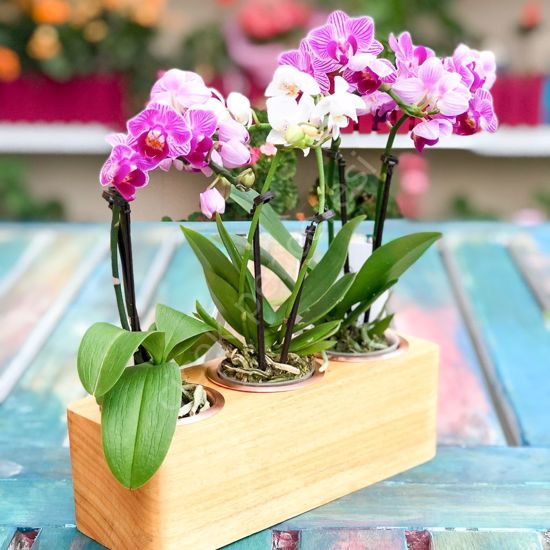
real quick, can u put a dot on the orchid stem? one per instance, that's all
(254, 225)
(384, 172)
(115, 227)
(295, 295)
(334, 149)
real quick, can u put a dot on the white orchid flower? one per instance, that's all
(293, 124)
(239, 107)
(340, 107)
(289, 81)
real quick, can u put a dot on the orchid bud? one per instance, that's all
(294, 135)
(212, 202)
(223, 185)
(247, 178)
(239, 107)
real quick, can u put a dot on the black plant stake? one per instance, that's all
(121, 243)
(310, 234)
(264, 198)
(343, 199)
(390, 162)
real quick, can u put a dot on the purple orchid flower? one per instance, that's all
(366, 73)
(343, 37)
(408, 57)
(157, 133)
(435, 88)
(480, 115)
(477, 69)
(180, 89)
(430, 131)
(203, 124)
(304, 60)
(124, 170)
(232, 130)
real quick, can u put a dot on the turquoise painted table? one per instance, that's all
(484, 295)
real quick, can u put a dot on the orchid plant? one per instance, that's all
(339, 72)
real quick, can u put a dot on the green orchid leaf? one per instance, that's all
(194, 348)
(268, 261)
(211, 257)
(329, 301)
(219, 330)
(138, 421)
(386, 264)
(177, 328)
(321, 278)
(236, 311)
(317, 347)
(379, 326)
(105, 351)
(316, 334)
(269, 219)
(234, 254)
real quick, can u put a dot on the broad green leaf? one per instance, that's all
(316, 334)
(211, 257)
(269, 219)
(268, 261)
(317, 347)
(329, 301)
(321, 278)
(235, 310)
(379, 326)
(177, 328)
(138, 421)
(218, 329)
(386, 264)
(192, 349)
(234, 254)
(105, 351)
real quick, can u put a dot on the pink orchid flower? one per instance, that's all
(124, 170)
(212, 202)
(180, 89)
(304, 60)
(479, 116)
(159, 132)
(366, 73)
(408, 57)
(430, 131)
(343, 37)
(435, 88)
(476, 68)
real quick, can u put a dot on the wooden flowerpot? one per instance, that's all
(265, 457)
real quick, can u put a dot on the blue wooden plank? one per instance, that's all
(258, 541)
(483, 540)
(6, 534)
(426, 308)
(484, 487)
(513, 329)
(348, 539)
(64, 538)
(39, 401)
(12, 248)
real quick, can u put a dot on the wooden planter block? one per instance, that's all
(264, 457)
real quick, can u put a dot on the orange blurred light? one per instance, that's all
(10, 67)
(51, 12)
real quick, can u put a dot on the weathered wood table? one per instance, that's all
(483, 294)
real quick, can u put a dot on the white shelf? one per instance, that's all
(517, 141)
(89, 139)
(69, 138)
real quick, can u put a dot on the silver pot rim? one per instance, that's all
(216, 400)
(214, 375)
(398, 346)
